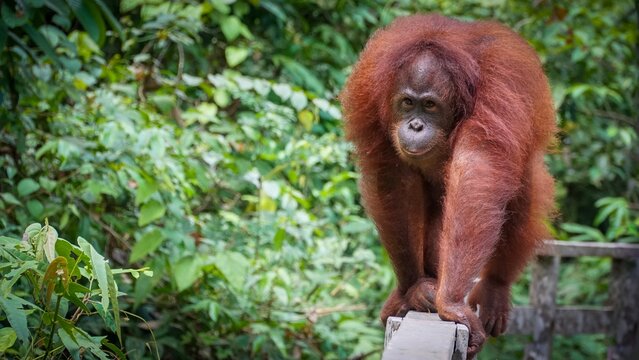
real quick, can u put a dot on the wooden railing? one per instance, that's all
(619, 318)
(424, 337)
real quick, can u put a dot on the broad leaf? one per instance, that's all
(27, 187)
(16, 315)
(147, 244)
(98, 269)
(151, 211)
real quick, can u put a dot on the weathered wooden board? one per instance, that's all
(578, 248)
(624, 293)
(569, 320)
(424, 336)
(543, 291)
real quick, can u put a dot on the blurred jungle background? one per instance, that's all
(197, 147)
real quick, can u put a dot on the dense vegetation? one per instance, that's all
(199, 146)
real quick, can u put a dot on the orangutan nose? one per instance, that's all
(416, 125)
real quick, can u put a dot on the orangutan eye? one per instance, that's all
(407, 101)
(429, 104)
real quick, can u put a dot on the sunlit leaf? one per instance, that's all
(186, 271)
(50, 239)
(299, 100)
(284, 91)
(306, 118)
(235, 55)
(8, 337)
(89, 15)
(232, 27)
(234, 266)
(146, 188)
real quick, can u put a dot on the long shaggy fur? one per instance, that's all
(486, 215)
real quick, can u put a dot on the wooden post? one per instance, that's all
(624, 294)
(542, 298)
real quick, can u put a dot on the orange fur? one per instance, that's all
(482, 212)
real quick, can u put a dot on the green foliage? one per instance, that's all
(48, 285)
(203, 141)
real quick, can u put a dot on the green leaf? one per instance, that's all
(34, 3)
(33, 230)
(49, 146)
(235, 55)
(147, 244)
(164, 102)
(7, 338)
(27, 186)
(306, 118)
(144, 286)
(299, 100)
(77, 341)
(71, 295)
(232, 27)
(151, 211)
(9, 242)
(16, 315)
(586, 232)
(59, 7)
(47, 183)
(98, 270)
(11, 19)
(111, 19)
(234, 266)
(42, 43)
(222, 98)
(90, 17)
(300, 73)
(128, 5)
(278, 239)
(278, 339)
(4, 32)
(15, 274)
(10, 199)
(69, 342)
(186, 271)
(119, 354)
(274, 9)
(356, 225)
(51, 237)
(146, 188)
(113, 294)
(284, 91)
(35, 208)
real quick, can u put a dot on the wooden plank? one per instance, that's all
(577, 248)
(392, 325)
(462, 336)
(543, 291)
(624, 294)
(422, 336)
(569, 320)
